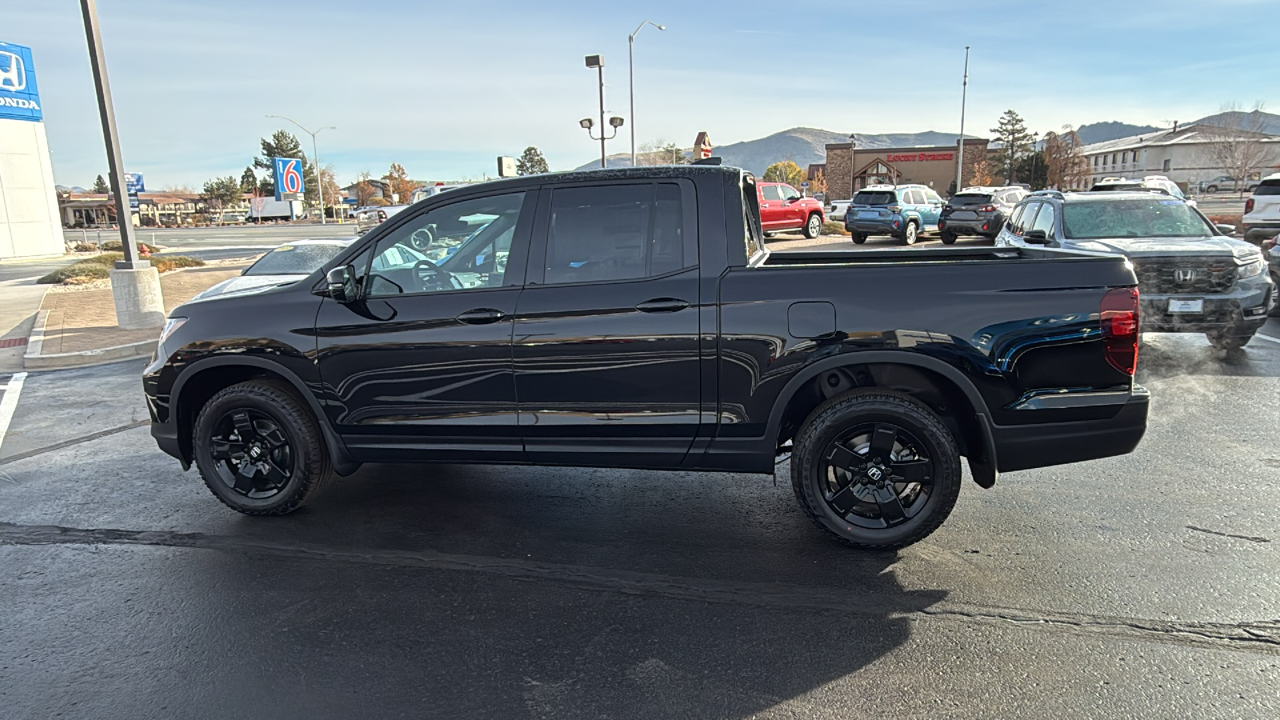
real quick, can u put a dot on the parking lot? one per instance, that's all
(1143, 585)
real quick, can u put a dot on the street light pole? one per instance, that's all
(631, 73)
(315, 153)
(964, 95)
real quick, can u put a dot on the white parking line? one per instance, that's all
(9, 403)
(1267, 337)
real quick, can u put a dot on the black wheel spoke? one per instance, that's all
(890, 506)
(225, 449)
(844, 500)
(244, 426)
(844, 459)
(273, 473)
(882, 440)
(912, 471)
(275, 438)
(245, 483)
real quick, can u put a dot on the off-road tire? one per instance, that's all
(813, 229)
(311, 466)
(826, 423)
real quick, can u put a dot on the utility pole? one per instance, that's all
(135, 284)
(631, 72)
(964, 95)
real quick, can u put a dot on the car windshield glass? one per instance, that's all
(967, 199)
(295, 259)
(1270, 187)
(1157, 216)
(873, 198)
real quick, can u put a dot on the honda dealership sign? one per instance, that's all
(19, 98)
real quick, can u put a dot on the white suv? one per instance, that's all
(1262, 211)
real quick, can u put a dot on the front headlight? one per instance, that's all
(1252, 268)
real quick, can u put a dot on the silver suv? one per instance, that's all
(1262, 211)
(1191, 277)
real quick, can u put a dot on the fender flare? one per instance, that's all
(338, 457)
(983, 468)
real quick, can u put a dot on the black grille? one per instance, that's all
(1171, 277)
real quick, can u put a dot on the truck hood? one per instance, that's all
(1216, 246)
(247, 285)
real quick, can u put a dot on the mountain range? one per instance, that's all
(805, 146)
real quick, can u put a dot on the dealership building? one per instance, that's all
(29, 217)
(850, 168)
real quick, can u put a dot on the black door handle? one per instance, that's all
(481, 316)
(662, 305)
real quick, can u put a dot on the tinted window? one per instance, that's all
(616, 232)
(1156, 216)
(772, 192)
(1269, 187)
(878, 197)
(1044, 220)
(459, 246)
(970, 199)
(1027, 217)
(295, 259)
(1015, 218)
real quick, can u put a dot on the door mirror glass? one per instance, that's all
(1035, 237)
(340, 283)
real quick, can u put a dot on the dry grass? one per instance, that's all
(95, 268)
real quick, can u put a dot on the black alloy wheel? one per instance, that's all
(252, 455)
(876, 468)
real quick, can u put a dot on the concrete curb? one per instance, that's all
(37, 360)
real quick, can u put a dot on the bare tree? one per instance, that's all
(364, 190)
(1237, 144)
(1066, 166)
(660, 152)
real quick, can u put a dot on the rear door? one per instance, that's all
(606, 344)
(931, 210)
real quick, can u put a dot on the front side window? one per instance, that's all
(772, 192)
(788, 192)
(615, 232)
(1044, 219)
(459, 246)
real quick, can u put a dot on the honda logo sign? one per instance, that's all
(19, 98)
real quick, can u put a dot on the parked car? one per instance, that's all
(978, 211)
(285, 264)
(1226, 183)
(901, 211)
(375, 216)
(1158, 183)
(1271, 248)
(782, 208)
(1192, 277)
(639, 321)
(837, 208)
(1262, 210)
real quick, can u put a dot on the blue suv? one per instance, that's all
(902, 211)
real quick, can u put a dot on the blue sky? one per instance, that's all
(445, 87)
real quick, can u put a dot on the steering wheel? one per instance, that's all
(422, 238)
(428, 275)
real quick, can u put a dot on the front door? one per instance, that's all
(606, 338)
(931, 210)
(773, 210)
(419, 367)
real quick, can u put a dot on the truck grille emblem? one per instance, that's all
(1184, 275)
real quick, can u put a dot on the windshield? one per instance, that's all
(873, 198)
(295, 259)
(1156, 216)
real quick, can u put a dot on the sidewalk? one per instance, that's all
(76, 325)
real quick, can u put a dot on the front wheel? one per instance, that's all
(911, 234)
(813, 228)
(877, 469)
(259, 449)
(1211, 189)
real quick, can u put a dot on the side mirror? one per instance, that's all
(340, 284)
(1226, 229)
(1035, 237)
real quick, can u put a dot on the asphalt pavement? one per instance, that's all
(1140, 586)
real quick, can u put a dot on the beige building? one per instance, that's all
(850, 168)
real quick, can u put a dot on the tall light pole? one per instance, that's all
(315, 153)
(597, 62)
(135, 284)
(964, 96)
(631, 73)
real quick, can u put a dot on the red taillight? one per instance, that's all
(1248, 206)
(987, 208)
(1119, 314)
(895, 208)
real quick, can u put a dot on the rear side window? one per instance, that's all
(878, 197)
(1269, 187)
(970, 199)
(614, 232)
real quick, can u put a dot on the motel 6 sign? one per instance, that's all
(288, 178)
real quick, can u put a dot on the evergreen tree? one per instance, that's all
(531, 162)
(100, 186)
(1014, 140)
(248, 180)
(282, 143)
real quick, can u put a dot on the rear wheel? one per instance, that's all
(1211, 189)
(947, 238)
(858, 238)
(912, 233)
(876, 468)
(259, 449)
(813, 227)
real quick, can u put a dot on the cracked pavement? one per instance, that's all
(1140, 586)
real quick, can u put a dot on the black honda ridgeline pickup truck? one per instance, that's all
(633, 318)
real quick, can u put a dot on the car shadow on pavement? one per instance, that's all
(507, 591)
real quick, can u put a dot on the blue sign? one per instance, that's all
(133, 184)
(288, 178)
(19, 98)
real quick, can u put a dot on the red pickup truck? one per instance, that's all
(782, 207)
